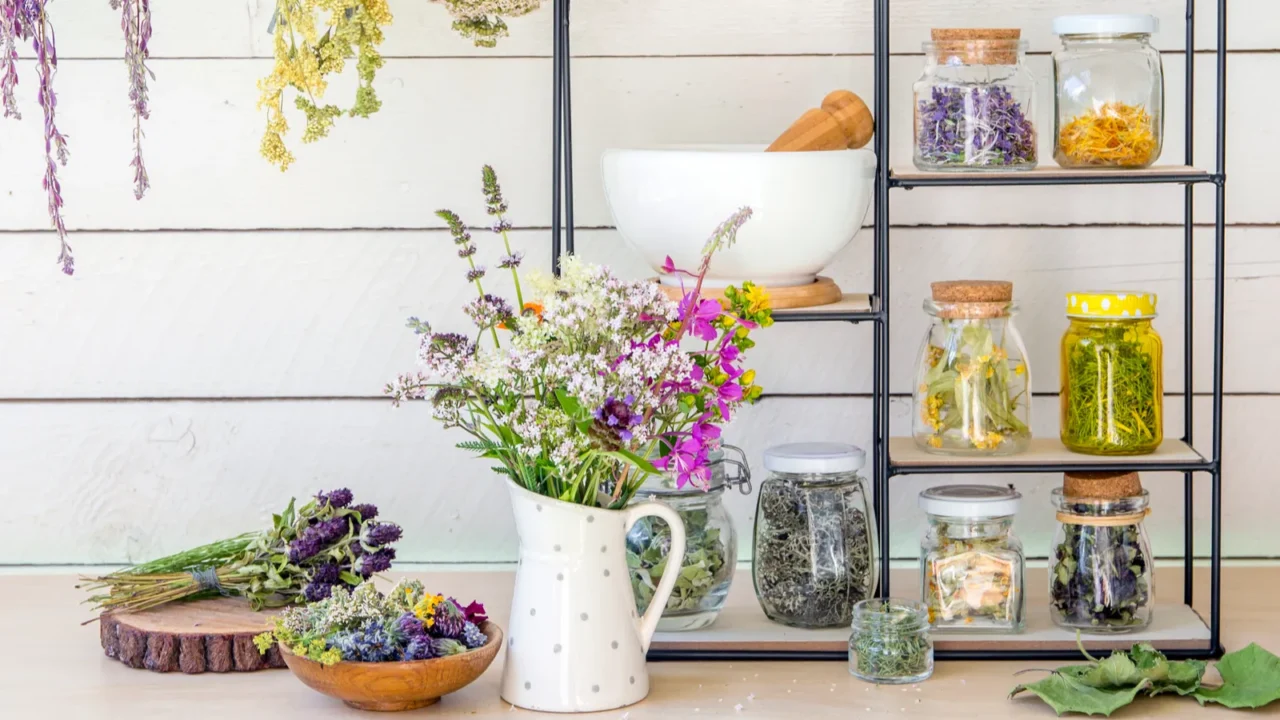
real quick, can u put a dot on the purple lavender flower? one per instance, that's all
(328, 574)
(456, 228)
(467, 251)
(449, 620)
(512, 261)
(985, 126)
(366, 511)
(330, 531)
(135, 20)
(475, 273)
(472, 637)
(377, 534)
(488, 311)
(27, 19)
(493, 201)
(368, 565)
(305, 547)
(369, 643)
(315, 592)
(339, 498)
(9, 58)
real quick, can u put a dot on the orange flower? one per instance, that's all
(530, 308)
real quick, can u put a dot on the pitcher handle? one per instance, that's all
(648, 623)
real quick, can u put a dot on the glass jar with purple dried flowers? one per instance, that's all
(975, 102)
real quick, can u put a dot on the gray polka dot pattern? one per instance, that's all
(604, 548)
(559, 576)
(584, 616)
(606, 573)
(556, 648)
(533, 611)
(557, 548)
(614, 645)
(633, 679)
(595, 688)
(591, 518)
(529, 685)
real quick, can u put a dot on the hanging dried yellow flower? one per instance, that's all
(304, 57)
(1116, 134)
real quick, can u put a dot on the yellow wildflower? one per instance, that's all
(425, 610)
(935, 355)
(757, 299)
(1020, 369)
(999, 354)
(748, 377)
(935, 441)
(984, 359)
(330, 657)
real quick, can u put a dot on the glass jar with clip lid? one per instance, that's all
(711, 550)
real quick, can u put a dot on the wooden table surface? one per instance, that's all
(52, 667)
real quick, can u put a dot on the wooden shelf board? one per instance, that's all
(743, 627)
(850, 303)
(904, 453)
(909, 173)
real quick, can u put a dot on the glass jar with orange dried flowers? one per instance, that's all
(972, 381)
(972, 565)
(1109, 92)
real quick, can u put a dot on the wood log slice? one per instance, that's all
(822, 291)
(214, 635)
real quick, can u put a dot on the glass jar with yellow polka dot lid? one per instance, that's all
(1112, 374)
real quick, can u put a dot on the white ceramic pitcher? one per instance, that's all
(574, 642)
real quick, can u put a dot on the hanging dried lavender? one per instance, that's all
(135, 21)
(985, 126)
(29, 20)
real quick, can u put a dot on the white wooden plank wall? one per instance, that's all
(224, 342)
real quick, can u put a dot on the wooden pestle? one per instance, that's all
(843, 121)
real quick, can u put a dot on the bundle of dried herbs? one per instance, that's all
(705, 571)
(481, 21)
(1112, 400)
(890, 642)
(813, 554)
(1101, 574)
(982, 126)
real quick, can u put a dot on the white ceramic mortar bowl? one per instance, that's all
(807, 206)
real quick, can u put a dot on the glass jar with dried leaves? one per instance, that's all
(815, 550)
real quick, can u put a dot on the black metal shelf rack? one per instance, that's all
(884, 468)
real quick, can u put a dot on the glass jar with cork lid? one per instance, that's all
(973, 383)
(1100, 567)
(975, 102)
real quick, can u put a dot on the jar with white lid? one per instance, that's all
(1109, 92)
(711, 548)
(814, 555)
(972, 565)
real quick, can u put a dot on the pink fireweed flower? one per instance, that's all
(699, 316)
(729, 355)
(687, 461)
(730, 392)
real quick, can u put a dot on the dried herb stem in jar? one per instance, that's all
(972, 579)
(971, 387)
(890, 642)
(1114, 134)
(1111, 403)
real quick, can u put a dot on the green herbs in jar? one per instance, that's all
(889, 642)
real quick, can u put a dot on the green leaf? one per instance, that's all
(1065, 694)
(627, 456)
(351, 578)
(1250, 679)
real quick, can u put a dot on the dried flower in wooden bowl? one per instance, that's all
(399, 651)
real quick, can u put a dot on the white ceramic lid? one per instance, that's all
(814, 458)
(1106, 25)
(970, 501)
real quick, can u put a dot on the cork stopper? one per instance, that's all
(964, 291)
(1101, 485)
(977, 46)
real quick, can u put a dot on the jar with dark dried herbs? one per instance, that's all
(972, 381)
(815, 550)
(1100, 574)
(972, 566)
(1112, 374)
(889, 642)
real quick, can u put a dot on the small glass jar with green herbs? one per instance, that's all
(973, 383)
(814, 556)
(889, 642)
(711, 550)
(1112, 374)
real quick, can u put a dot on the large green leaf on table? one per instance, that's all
(1250, 679)
(1177, 676)
(1065, 694)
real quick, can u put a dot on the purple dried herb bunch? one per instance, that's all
(135, 21)
(28, 20)
(979, 126)
(309, 552)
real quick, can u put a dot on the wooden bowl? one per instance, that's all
(390, 686)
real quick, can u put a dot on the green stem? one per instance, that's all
(515, 276)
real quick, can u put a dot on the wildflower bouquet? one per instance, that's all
(366, 626)
(595, 382)
(307, 554)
